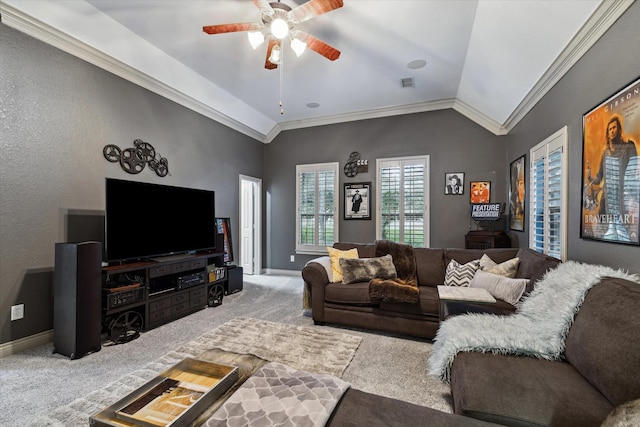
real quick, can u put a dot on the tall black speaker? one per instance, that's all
(77, 284)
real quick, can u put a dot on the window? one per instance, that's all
(402, 200)
(317, 202)
(548, 211)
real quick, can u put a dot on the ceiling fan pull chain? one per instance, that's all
(281, 79)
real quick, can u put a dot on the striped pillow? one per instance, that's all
(460, 275)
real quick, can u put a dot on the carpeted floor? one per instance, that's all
(36, 382)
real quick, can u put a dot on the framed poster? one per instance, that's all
(453, 183)
(480, 192)
(611, 168)
(516, 194)
(357, 200)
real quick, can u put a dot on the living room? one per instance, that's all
(59, 112)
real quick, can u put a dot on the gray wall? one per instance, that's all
(453, 142)
(610, 64)
(58, 112)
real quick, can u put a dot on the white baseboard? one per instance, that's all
(26, 343)
(292, 273)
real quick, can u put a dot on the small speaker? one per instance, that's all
(77, 285)
(234, 280)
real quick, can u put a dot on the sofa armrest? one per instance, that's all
(315, 279)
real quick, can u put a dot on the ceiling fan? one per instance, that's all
(278, 24)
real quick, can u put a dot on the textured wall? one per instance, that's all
(453, 142)
(57, 113)
(610, 64)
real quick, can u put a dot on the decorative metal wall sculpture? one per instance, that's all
(134, 160)
(355, 165)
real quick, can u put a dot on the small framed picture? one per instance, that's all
(454, 183)
(516, 194)
(480, 191)
(357, 200)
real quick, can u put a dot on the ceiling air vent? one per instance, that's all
(407, 82)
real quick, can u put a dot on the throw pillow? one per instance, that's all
(460, 275)
(365, 269)
(509, 268)
(504, 288)
(334, 256)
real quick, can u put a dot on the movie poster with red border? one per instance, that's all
(611, 169)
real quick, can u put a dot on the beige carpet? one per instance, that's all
(302, 347)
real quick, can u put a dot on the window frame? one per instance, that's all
(316, 168)
(402, 162)
(557, 141)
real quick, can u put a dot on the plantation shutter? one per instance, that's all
(547, 219)
(316, 198)
(402, 196)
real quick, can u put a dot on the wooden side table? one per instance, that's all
(462, 294)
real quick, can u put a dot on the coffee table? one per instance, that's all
(462, 294)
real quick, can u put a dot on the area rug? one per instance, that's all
(307, 348)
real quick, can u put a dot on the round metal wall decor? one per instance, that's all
(351, 167)
(134, 160)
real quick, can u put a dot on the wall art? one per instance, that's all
(480, 191)
(611, 168)
(517, 193)
(357, 200)
(453, 183)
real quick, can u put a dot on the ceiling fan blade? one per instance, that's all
(313, 8)
(264, 6)
(268, 64)
(231, 28)
(318, 46)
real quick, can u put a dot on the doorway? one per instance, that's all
(250, 224)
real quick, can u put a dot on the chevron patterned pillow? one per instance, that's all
(460, 275)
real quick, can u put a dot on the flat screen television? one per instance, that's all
(145, 220)
(224, 227)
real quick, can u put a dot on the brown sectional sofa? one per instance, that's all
(350, 304)
(600, 370)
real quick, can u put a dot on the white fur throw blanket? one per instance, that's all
(538, 328)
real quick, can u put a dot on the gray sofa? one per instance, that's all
(600, 371)
(350, 305)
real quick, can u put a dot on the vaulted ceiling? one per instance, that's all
(489, 60)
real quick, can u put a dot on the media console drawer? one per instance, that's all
(160, 304)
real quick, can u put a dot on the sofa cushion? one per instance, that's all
(460, 274)
(354, 293)
(463, 256)
(365, 250)
(520, 390)
(604, 341)
(362, 270)
(509, 268)
(430, 266)
(533, 265)
(335, 255)
(501, 287)
(358, 408)
(428, 303)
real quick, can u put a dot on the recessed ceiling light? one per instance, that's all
(418, 63)
(313, 105)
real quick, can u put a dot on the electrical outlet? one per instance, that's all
(17, 312)
(293, 258)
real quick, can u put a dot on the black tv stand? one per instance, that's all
(157, 292)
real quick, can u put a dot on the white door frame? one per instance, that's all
(257, 221)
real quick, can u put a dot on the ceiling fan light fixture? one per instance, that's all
(256, 38)
(298, 46)
(279, 28)
(276, 55)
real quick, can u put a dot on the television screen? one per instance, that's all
(145, 220)
(224, 228)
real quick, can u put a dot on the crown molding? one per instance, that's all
(600, 21)
(37, 29)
